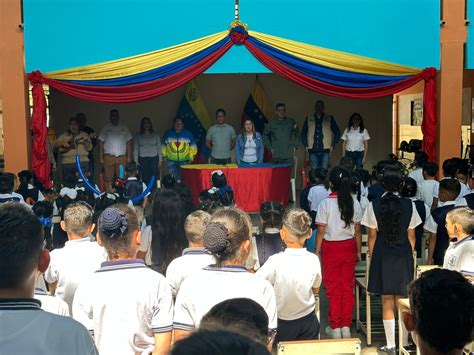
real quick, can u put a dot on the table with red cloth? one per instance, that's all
(252, 184)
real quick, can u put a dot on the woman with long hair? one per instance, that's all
(249, 145)
(147, 150)
(355, 140)
(391, 222)
(164, 240)
(338, 243)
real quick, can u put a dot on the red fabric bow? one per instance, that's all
(35, 77)
(238, 37)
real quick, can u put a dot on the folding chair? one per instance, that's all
(317, 311)
(362, 265)
(329, 346)
(361, 287)
(367, 325)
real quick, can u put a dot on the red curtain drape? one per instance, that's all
(428, 126)
(40, 164)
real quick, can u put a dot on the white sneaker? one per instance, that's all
(333, 333)
(346, 332)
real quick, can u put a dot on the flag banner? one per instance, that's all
(196, 119)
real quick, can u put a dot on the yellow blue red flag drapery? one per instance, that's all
(156, 73)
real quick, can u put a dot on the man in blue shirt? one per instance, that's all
(320, 134)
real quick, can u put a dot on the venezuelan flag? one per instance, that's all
(196, 119)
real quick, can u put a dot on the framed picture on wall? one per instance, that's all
(416, 112)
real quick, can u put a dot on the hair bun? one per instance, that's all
(216, 237)
(112, 221)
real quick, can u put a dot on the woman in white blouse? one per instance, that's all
(147, 150)
(355, 140)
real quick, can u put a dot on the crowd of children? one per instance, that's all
(141, 276)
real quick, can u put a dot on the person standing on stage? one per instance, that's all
(82, 119)
(115, 148)
(71, 143)
(147, 150)
(320, 134)
(249, 147)
(281, 136)
(355, 140)
(179, 148)
(220, 139)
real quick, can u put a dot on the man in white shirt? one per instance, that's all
(25, 327)
(115, 148)
(79, 258)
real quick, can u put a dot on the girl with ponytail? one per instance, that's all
(338, 244)
(391, 222)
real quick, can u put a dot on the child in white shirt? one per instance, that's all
(80, 256)
(295, 275)
(318, 192)
(195, 257)
(126, 305)
(227, 237)
(460, 253)
(425, 189)
(338, 244)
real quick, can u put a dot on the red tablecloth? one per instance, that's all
(251, 186)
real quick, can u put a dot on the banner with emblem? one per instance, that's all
(196, 119)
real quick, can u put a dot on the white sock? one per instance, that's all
(389, 327)
(405, 334)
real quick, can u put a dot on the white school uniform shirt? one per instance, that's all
(464, 191)
(73, 263)
(460, 256)
(330, 217)
(293, 273)
(124, 304)
(205, 288)
(51, 304)
(27, 329)
(115, 139)
(355, 139)
(430, 224)
(425, 191)
(192, 260)
(16, 196)
(370, 221)
(417, 175)
(316, 194)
